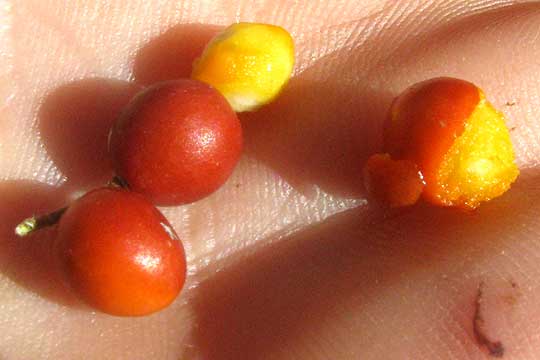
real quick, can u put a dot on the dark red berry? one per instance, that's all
(176, 142)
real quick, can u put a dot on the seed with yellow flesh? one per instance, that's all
(248, 63)
(480, 165)
(454, 137)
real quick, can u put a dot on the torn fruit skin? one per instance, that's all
(248, 63)
(396, 182)
(452, 139)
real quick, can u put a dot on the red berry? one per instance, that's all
(119, 253)
(176, 142)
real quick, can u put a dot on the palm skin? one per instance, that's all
(287, 260)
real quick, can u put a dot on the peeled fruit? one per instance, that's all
(454, 142)
(248, 63)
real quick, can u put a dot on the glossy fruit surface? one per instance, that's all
(248, 63)
(176, 142)
(119, 254)
(395, 182)
(457, 140)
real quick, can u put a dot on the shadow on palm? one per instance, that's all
(299, 285)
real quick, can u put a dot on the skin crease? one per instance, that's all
(273, 273)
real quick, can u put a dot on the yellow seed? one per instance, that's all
(480, 165)
(248, 63)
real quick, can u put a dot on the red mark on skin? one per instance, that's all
(494, 348)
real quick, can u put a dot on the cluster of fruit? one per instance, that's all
(178, 141)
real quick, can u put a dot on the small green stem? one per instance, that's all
(31, 224)
(28, 226)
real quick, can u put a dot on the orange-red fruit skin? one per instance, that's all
(425, 121)
(396, 183)
(176, 142)
(119, 254)
(447, 130)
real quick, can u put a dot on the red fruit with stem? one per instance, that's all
(176, 142)
(119, 253)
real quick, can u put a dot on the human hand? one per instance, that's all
(274, 273)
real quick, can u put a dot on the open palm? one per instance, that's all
(287, 260)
